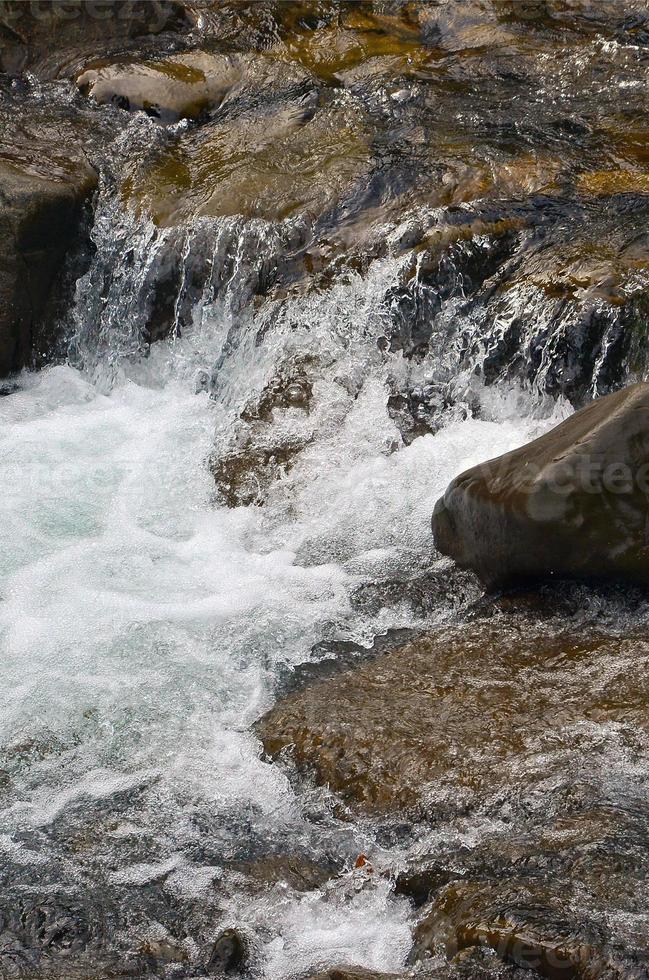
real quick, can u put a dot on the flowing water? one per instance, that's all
(146, 623)
(144, 626)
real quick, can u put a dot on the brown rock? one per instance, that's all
(419, 883)
(297, 163)
(458, 710)
(244, 474)
(351, 973)
(289, 869)
(560, 891)
(182, 86)
(51, 37)
(255, 452)
(159, 952)
(573, 503)
(515, 923)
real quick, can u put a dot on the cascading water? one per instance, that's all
(232, 477)
(145, 625)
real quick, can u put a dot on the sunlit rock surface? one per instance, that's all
(345, 120)
(462, 709)
(183, 86)
(296, 161)
(526, 727)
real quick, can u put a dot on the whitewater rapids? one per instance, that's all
(144, 625)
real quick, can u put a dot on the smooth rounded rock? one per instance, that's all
(573, 503)
(168, 89)
(229, 952)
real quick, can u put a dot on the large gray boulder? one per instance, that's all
(573, 503)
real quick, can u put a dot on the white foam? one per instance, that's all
(341, 925)
(141, 624)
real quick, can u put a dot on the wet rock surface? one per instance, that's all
(351, 973)
(572, 503)
(258, 453)
(460, 704)
(514, 896)
(591, 296)
(173, 88)
(45, 217)
(526, 729)
(228, 954)
(51, 38)
(292, 870)
(520, 929)
(298, 163)
(385, 209)
(354, 119)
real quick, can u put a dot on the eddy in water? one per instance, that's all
(279, 280)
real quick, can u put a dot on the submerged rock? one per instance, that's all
(244, 473)
(291, 870)
(387, 41)
(573, 503)
(342, 126)
(295, 162)
(256, 453)
(459, 709)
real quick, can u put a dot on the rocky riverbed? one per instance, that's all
(272, 275)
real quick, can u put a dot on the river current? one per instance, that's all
(144, 627)
(194, 518)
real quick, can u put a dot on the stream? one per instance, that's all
(231, 458)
